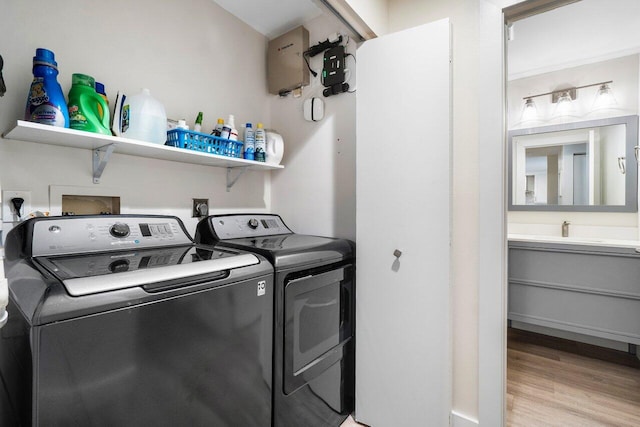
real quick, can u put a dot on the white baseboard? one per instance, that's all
(459, 420)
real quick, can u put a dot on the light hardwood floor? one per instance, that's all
(554, 382)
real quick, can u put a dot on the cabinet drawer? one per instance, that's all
(589, 272)
(604, 316)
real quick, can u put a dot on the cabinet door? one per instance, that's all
(403, 356)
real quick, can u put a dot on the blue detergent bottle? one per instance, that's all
(249, 142)
(46, 103)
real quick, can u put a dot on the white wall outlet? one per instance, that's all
(200, 208)
(8, 211)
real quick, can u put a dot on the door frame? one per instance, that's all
(492, 258)
(492, 224)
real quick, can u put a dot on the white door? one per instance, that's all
(403, 356)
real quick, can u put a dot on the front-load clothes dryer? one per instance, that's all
(122, 320)
(314, 289)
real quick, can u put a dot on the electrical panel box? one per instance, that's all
(286, 67)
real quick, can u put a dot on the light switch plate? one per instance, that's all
(8, 212)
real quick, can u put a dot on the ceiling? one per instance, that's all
(584, 32)
(272, 17)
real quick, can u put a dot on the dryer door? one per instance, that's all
(318, 323)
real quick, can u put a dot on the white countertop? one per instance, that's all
(590, 241)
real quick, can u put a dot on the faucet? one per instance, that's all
(565, 229)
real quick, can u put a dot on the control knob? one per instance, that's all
(119, 229)
(253, 223)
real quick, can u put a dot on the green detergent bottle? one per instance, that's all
(88, 111)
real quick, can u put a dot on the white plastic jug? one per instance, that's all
(275, 148)
(144, 118)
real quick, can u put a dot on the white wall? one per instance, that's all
(193, 55)
(315, 193)
(623, 71)
(583, 32)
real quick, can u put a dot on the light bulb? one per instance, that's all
(529, 111)
(564, 106)
(604, 98)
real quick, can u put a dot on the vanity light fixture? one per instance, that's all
(604, 98)
(564, 105)
(564, 99)
(529, 111)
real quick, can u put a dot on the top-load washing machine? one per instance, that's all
(314, 290)
(122, 320)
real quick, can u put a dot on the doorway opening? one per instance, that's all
(565, 364)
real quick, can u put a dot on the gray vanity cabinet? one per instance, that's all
(591, 290)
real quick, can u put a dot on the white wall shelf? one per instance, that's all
(104, 145)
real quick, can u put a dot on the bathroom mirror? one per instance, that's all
(580, 166)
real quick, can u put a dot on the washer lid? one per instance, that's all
(104, 272)
(267, 235)
(295, 250)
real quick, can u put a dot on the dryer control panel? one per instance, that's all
(247, 225)
(64, 235)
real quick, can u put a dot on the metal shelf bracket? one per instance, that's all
(101, 157)
(232, 180)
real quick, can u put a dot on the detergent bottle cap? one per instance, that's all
(83, 79)
(100, 88)
(45, 57)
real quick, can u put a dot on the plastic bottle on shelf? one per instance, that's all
(233, 134)
(88, 110)
(218, 129)
(46, 103)
(188, 140)
(198, 125)
(249, 142)
(229, 130)
(101, 91)
(225, 132)
(144, 118)
(261, 143)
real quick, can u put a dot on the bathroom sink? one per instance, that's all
(575, 240)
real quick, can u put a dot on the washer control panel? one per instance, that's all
(120, 229)
(247, 225)
(64, 235)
